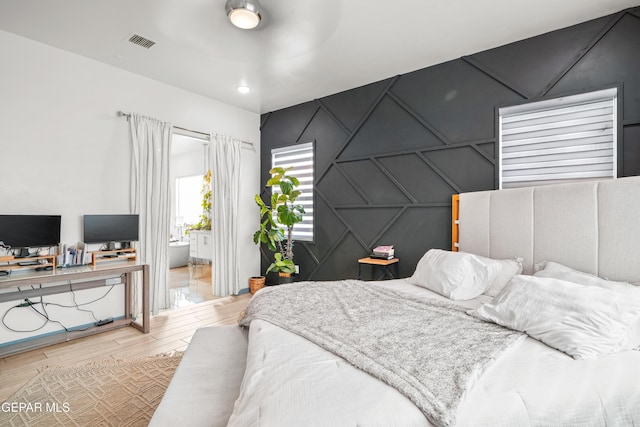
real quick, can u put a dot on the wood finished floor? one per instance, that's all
(171, 330)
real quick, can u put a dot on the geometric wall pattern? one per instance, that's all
(390, 154)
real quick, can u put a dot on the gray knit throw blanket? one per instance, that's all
(428, 350)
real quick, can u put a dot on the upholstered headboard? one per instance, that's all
(592, 226)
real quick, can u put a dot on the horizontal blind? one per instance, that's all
(564, 139)
(300, 159)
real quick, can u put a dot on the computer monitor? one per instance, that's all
(29, 231)
(110, 229)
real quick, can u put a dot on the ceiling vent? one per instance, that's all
(141, 41)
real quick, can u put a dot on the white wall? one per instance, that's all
(64, 151)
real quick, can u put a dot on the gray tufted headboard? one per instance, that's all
(592, 226)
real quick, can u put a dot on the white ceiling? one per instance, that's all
(304, 49)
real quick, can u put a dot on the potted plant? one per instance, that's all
(256, 283)
(277, 221)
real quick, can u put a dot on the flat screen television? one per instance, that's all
(110, 228)
(29, 231)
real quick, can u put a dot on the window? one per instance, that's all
(188, 198)
(559, 140)
(300, 157)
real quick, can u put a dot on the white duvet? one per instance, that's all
(290, 381)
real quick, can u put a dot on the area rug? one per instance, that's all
(104, 393)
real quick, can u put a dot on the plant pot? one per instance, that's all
(284, 278)
(256, 283)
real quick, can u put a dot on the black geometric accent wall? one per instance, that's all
(389, 155)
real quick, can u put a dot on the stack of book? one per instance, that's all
(383, 252)
(73, 256)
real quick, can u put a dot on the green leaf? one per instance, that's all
(258, 200)
(286, 187)
(278, 170)
(294, 195)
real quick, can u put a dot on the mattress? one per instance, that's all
(290, 381)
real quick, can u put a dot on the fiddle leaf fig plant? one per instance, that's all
(277, 221)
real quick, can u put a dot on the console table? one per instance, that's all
(87, 277)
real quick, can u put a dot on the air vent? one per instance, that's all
(141, 41)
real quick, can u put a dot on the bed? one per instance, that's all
(554, 233)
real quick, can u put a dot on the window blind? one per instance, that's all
(558, 140)
(301, 159)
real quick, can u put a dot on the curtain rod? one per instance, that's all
(128, 116)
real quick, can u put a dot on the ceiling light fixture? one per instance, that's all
(243, 89)
(245, 14)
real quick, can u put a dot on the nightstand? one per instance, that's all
(387, 265)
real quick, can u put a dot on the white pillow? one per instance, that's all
(508, 269)
(455, 275)
(583, 321)
(559, 271)
(562, 272)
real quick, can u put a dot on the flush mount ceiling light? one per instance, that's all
(243, 89)
(245, 14)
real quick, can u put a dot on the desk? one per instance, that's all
(384, 263)
(87, 277)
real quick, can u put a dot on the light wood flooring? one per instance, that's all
(171, 330)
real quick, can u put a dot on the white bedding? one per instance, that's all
(290, 381)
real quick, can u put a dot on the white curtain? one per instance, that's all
(150, 198)
(225, 186)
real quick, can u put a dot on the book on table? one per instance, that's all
(383, 252)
